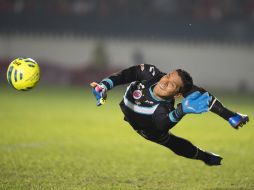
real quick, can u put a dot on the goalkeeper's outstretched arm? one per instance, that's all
(131, 74)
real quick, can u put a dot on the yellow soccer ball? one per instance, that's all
(23, 73)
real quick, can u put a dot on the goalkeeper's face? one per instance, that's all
(169, 86)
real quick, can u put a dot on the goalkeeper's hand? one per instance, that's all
(196, 103)
(99, 92)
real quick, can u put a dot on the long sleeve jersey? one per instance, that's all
(141, 108)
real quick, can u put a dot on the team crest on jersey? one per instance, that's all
(137, 94)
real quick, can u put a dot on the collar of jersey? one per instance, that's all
(154, 97)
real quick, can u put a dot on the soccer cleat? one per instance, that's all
(238, 121)
(212, 159)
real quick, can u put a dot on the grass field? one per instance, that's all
(56, 138)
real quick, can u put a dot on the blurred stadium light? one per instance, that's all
(77, 41)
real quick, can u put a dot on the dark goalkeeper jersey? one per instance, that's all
(140, 107)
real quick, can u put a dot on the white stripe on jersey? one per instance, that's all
(137, 108)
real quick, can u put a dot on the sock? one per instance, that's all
(220, 110)
(181, 147)
(201, 155)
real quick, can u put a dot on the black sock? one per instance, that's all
(185, 148)
(222, 111)
(202, 155)
(181, 147)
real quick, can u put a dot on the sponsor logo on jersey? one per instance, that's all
(149, 102)
(137, 102)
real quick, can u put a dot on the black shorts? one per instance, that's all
(144, 127)
(151, 134)
(159, 137)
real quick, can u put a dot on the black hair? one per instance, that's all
(187, 81)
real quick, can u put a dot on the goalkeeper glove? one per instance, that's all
(196, 103)
(100, 93)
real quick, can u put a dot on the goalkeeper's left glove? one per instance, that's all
(196, 103)
(100, 93)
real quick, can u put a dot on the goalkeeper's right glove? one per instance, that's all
(100, 93)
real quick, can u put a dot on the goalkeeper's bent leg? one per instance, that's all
(218, 108)
(215, 105)
(236, 120)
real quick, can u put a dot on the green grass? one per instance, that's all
(56, 138)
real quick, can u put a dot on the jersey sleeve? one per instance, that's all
(131, 74)
(165, 118)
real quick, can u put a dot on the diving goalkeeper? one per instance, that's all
(148, 106)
